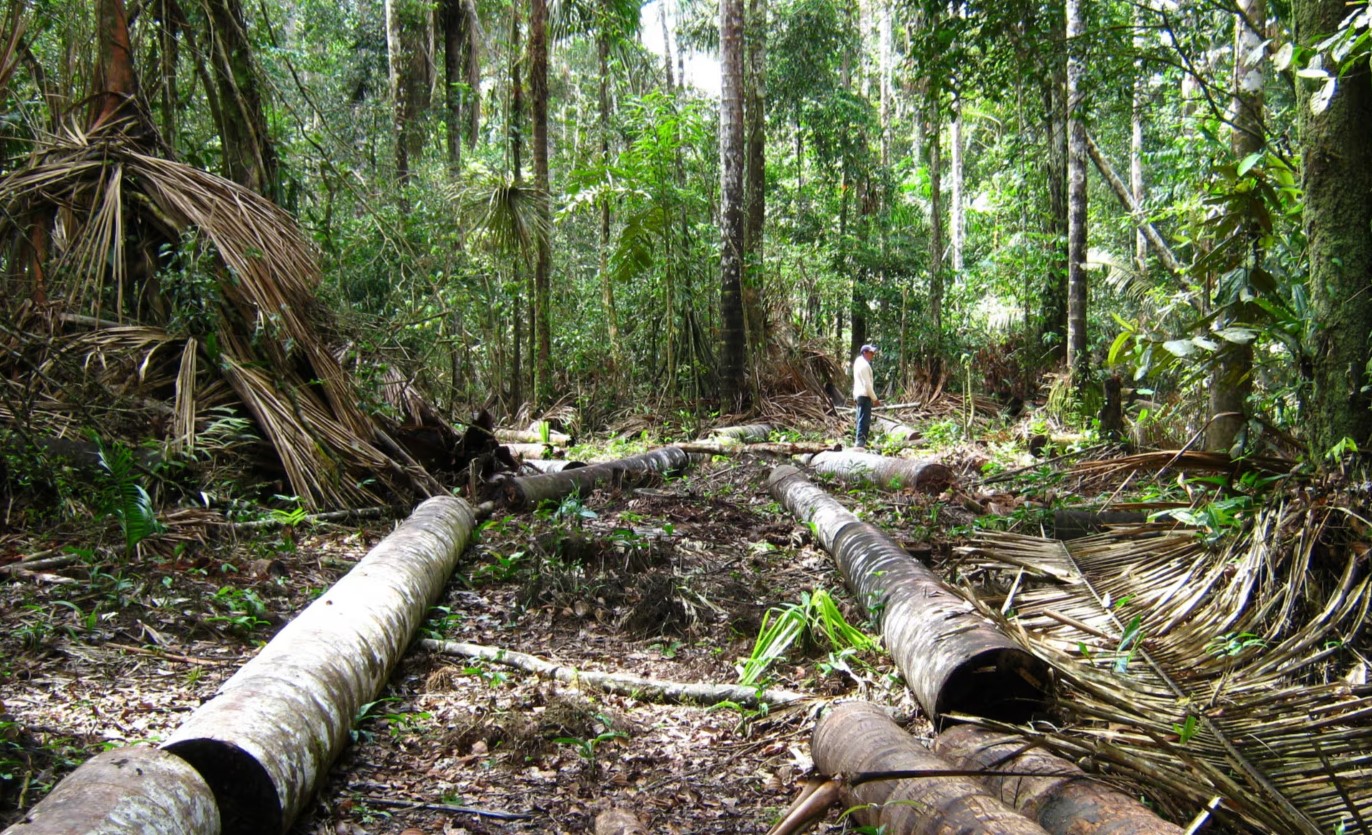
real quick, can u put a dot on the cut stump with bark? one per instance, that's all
(1047, 788)
(954, 658)
(529, 491)
(126, 791)
(923, 474)
(266, 740)
(858, 738)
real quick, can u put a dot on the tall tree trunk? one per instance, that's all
(116, 85)
(409, 33)
(733, 393)
(1337, 175)
(956, 216)
(516, 146)
(169, 53)
(755, 114)
(249, 154)
(666, 43)
(543, 317)
(936, 233)
(1232, 379)
(607, 288)
(1052, 327)
(454, 24)
(1078, 359)
(1138, 102)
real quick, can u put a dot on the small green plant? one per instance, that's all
(245, 609)
(1129, 644)
(1232, 644)
(1187, 729)
(815, 616)
(587, 748)
(125, 497)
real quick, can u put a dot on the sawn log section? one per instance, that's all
(953, 658)
(923, 474)
(855, 738)
(268, 737)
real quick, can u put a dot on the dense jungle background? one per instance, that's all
(274, 273)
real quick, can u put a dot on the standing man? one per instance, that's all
(864, 392)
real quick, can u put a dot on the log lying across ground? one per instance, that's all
(728, 446)
(266, 740)
(555, 465)
(750, 433)
(894, 428)
(532, 435)
(857, 738)
(127, 791)
(1046, 787)
(923, 474)
(954, 659)
(529, 491)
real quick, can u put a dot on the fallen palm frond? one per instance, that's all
(175, 277)
(1205, 673)
(1162, 461)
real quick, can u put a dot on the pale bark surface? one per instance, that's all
(733, 393)
(528, 491)
(268, 737)
(925, 475)
(858, 737)
(126, 791)
(1078, 361)
(954, 659)
(1047, 788)
(748, 433)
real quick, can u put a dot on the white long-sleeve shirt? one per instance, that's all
(862, 378)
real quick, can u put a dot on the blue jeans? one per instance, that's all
(864, 419)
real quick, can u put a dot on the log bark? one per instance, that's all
(855, 738)
(640, 687)
(266, 740)
(127, 791)
(923, 474)
(1047, 788)
(727, 446)
(895, 429)
(529, 451)
(532, 436)
(555, 465)
(529, 491)
(954, 659)
(749, 433)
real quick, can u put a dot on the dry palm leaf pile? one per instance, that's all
(1223, 681)
(155, 300)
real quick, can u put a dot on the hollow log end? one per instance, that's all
(247, 797)
(1002, 683)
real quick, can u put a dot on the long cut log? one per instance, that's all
(533, 435)
(954, 659)
(1046, 787)
(728, 446)
(264, 742)
(126, 791)
(749, 433)
(856, 738)
(895, 429)
(529, 491)
(923, 474)
(554, 465)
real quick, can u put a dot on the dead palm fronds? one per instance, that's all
(1162, 461)
(1208, 674)
(110, 222)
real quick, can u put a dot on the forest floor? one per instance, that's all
(670, 582)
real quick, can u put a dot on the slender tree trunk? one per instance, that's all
(409, 33)
(1137, 104)
(454, 17)
(542, 319)
(734, 394)
(249, 154)
(1232, 380)
(169, 51)
(1078, 358)
(607, 289)
(1053, 310)
(1337, 175)
(956, 216)
(666, 44)
(116, 85)
(936, 233)
(516, 140)
(755, 114)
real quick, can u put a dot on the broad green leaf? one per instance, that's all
(1239, 336)
(1179, 347)
(1248, 163)
(1320, 101)
(1282, 60)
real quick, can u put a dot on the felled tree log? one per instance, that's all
(555, 465)
(529, 491)
(126, 791)
(894, 428)
(922, 474)
(1064, 800)
(266, 740)
(953, 658)
(726, 446)
(858, 738)
(532, 435)
(750, 433)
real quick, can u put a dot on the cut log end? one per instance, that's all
(243, 789)
(1005, 684)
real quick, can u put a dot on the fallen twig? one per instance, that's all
(445, 807)
(622, 683)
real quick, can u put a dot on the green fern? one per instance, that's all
(126, 499)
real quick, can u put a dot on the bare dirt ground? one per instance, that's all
(670, 582)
